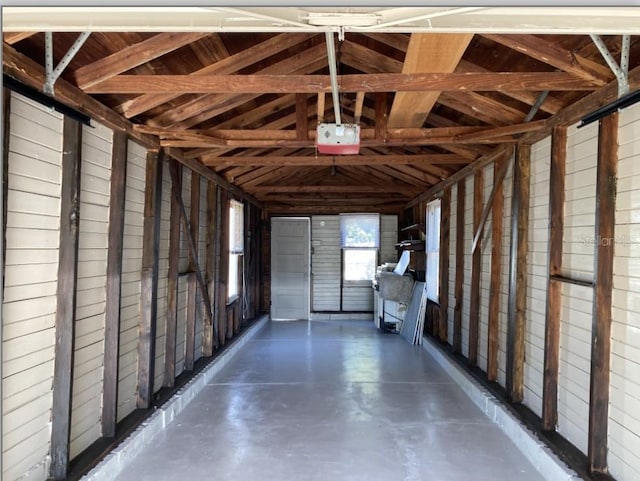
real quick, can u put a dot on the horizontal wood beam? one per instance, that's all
(328, 160)
(360, 189)
(391, 82)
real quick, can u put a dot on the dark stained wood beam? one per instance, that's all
(554, 55)
(6, 132)
(554, 288)
(66, 298)
(603, 293)
(518, 274)
(228, 65)
(381, 116)
(117, 201)
(476, 266)
(137, 54)
(172, 280)
(339, 160)
(149, 279)
(497, 214)
(367, 60)
(445, 232)
(223, 272)
(390, 82)
(302, 120)
(192, 297)
(361, 189)
(459, 291)
(209, 341)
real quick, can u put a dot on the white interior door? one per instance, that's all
(290, 241)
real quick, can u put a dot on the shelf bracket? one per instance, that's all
(54, 73)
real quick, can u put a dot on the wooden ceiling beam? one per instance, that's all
(383, 82)
(551, 105)
(552, 54)
(426, 53)
(231, 64)
(338, 189)
(15, 37)
(137, 54)
(339, 160)
(258, 114)
(205, 107)
(397, 174)
(367, 60)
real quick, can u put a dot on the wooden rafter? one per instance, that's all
(228, 65)
(137, 54)
(555, 56)
(426, 53)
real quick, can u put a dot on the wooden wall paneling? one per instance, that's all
(66, 298)
(172, 281)
(223, 265)
(192, 292)
(459, 292)
(497, 214)
(6, 129)
(518, 274)
(210, 339)
(603, 287)
(114, 274)
(554, 291)
(476, 266)
(445, 233)
(149, 281)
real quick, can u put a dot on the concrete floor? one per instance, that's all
(330, 400)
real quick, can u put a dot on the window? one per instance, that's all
(236, 248)
(359, 239)
(432, 247)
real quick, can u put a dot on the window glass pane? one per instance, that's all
(433, 250)
(236, 227)
(233, 276)
(359, 264)
(359, 230)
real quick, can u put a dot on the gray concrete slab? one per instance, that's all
(325, 400)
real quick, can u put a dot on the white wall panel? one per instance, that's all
(452, 261)
(466, 283)
(163, 268)
(624, 393)
(325, 262)
(485, 273)
(580, 202)
(537, 270)
(575, 363)
(131, 272)
(95, 185)
(29, 304)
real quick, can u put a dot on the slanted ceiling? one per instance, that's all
(247, 104)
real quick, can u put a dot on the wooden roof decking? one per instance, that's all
(246, 104)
